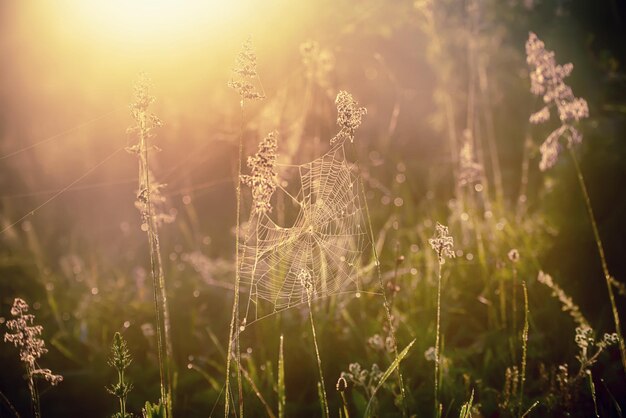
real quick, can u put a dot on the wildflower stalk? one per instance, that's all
(386, 304)
(282, 399)
(341, 387)
(9, 404)
(349, 116)
(513, 257)
(120, 360)
(592, 389)
(307, 283)
(547, 81)
(524, 349)
(319, 362)
(145, 124)
(437, 337)
(605, 269)
(25, 337)
(235, 313)
(244, 73)
(443, 245)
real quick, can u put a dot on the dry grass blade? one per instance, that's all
(282, 399)
(394, 365)
(466, 409)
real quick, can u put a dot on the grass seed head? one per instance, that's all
(263, 177)
(349, 116)
(443, 243)
(25, 337)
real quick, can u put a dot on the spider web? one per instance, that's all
(325, 244)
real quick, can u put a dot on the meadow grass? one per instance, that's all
(351, 258)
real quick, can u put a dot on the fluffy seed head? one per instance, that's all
(546, 80)
(513, 255)
(443, 243)
(349, 116)
(25, 337)
(263, 177)
(245, 72)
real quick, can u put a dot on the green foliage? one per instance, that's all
(151, 410)
(120, 360)
(466, 409)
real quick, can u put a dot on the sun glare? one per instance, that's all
(143, 21)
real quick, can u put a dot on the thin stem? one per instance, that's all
(34, 394)
(592, 388)
(514, 299)
(120, 378)
(605, 268)
(158, 279)
(524, 349)
(392, 331)
(235, 313)
(282, 399)
(9, 404)
(319, 359)
(258, 393)
(437, 359)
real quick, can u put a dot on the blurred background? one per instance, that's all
(80, 258)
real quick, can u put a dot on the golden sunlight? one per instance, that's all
(140, 21)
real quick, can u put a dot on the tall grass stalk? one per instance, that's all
(341, 387)
(443, 245)
(24, 335)
(282, 399)
(234, 322)
(592, 389)
(244, 72)
(9, 405)
(258, 393)
(605, 269)
(120, 360)
(524, 349)
(437, 338)
(145, 123)
(322, 384)
(386, 304)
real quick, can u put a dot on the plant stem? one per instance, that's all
(164, 345)
(392, 331)
(524, 349)
(282, 399)
(235, 313)
(9, 405)
(605, 269)
(437, 407)
(34, 394)
(319, 360)
(120, 378)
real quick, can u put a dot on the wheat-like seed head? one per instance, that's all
(349, 116)
(25, 337)
(546, 80)
(443, 243)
